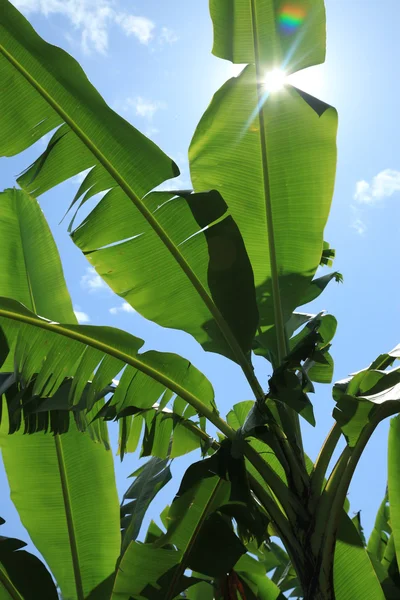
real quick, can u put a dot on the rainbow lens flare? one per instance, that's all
(291, 18)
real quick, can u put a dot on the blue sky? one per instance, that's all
(151, 61)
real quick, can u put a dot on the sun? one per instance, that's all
(274, 80)
(310, 80)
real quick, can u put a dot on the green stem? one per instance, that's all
(331, 504)
(152, 221)
(289, 501)
(70, 522)
(322, 464)
(282, 524)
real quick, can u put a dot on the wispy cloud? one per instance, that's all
(123, 308)
(383, 185)
(357, 223)
(140, 27)
(359, 226)
(368, 193)
(81, 316)
(142, 107)
(92, 19)
(91, 281)
(168, 36)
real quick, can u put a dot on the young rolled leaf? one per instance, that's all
(279, 34)
(182, 290)
(273, 159)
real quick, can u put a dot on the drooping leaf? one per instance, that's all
(149, 480)
(57, 351)
(273, 160)
(170, 275)
(369, 396)
(288, 35)
(22, 575)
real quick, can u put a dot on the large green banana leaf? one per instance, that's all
(55, 351)
(277, 33)
(273, 158)
(354, 574)
(157, 267)
(64, 490)
(394, 484)
(31, 270)
(63, 487)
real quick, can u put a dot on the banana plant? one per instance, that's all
(230, 263)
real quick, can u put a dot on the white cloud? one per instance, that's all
(359, 226)
(141, 27)
(81, 316)
(383, 185)
(142, 107)
(357, 222)
(123, 308)
(168, 36)
(91, 281)
(92, 19)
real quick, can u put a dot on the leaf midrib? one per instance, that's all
(69, 518)
(159, 230)
(276, 294)
(126, 358)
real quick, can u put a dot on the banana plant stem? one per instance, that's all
(330, 506)
(322, 464)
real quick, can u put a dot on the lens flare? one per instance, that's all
(274, 80)
(291, 18)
